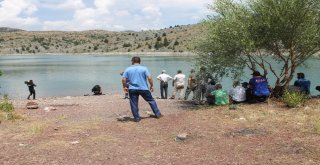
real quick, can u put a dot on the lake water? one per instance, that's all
(66, 75)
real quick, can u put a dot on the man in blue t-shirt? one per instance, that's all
(259, 86)
(137, 76)
(302, 83)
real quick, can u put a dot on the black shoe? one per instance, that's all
(157, 117)
(136, 120)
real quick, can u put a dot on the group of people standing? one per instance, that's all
(196, 83)
(205, 89)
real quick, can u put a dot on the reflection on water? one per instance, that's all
(62, 75)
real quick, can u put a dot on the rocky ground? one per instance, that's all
(86, 130)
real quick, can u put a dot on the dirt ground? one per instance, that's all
(85, 130)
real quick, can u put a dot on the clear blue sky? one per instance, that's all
(115, 15)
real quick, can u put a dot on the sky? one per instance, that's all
(114, 15)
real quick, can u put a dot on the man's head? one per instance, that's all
(179, 71)
(212, 82)
(236, 83)
(256, 73)
(245, 84)
(218, 86)
(300, 75)
(163, 71)
(192, 70)
(135, 60)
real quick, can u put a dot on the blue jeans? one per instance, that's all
(134, 100)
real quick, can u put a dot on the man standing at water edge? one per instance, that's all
(137, 76)
(164, 78)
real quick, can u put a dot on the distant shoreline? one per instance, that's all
(182, 54)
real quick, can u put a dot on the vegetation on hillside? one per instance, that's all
(172, 39)
(242, 34)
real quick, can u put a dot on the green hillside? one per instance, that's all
(172, 39)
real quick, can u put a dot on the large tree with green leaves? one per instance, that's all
(248, 33)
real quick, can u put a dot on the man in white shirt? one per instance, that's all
(164, 78)
(237, 93)
(178, 84)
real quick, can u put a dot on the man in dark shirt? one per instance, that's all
(259, 86)
(32, 91)
(302, 83)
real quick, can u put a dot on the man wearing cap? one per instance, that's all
(164, 78)
(192, 85)
(259, 86)
(137, 76)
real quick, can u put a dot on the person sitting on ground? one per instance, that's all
(96, 90)
(237, 93)
(249, 95)
(259, 86)
(302, 83)
(210, 88)
(221, 96)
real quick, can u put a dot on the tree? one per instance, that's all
(165, 42)
(249, 33)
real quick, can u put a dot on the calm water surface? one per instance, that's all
(63, 75)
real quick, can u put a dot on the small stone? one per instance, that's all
(32, 105)
(149, 113)
(232, 107)
(48, 109)
(122, 118)
(75, 142)
(181, 137)
(22, 145)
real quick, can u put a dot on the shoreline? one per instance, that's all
(163, 54)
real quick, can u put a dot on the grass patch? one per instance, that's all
(7, 111)
(294, 99)
(37, 128)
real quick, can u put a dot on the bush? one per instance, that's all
(7, 110)
(294, 99)
(5, 105)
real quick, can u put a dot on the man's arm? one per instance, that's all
(151, 83)
(189, 82)
(124, 84)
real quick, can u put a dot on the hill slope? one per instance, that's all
(173, 39)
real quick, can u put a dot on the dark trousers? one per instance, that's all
(32, 92)
(188, 91)
(164, 89)
(134, 100)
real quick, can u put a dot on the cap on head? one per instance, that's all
(300, 75)
(245, 84)
(163, 71)
(256, 73)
